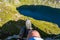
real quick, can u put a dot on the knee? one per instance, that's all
(35, 33)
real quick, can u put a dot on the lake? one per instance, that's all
(41, 12)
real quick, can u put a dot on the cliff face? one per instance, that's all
(8, 12)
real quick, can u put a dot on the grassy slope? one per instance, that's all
(51, 3)
(8, 12)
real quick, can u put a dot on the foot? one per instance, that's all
(28, 24)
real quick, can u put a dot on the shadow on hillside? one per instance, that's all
(41, 12)
(13, 27)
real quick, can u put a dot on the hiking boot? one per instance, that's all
(28, 24)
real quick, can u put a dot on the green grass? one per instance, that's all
(7, 13)
(9, 18)
(51, 3)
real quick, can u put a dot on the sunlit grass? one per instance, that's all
(8, 12)
(17, 3)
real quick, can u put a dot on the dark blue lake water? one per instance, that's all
(41, 12)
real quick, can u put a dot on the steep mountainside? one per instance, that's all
(8, 12)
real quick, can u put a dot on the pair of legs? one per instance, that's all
(32, 34)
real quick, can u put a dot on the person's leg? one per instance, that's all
(33, 33)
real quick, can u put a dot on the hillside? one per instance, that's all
(51, 3)
(9, 19)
